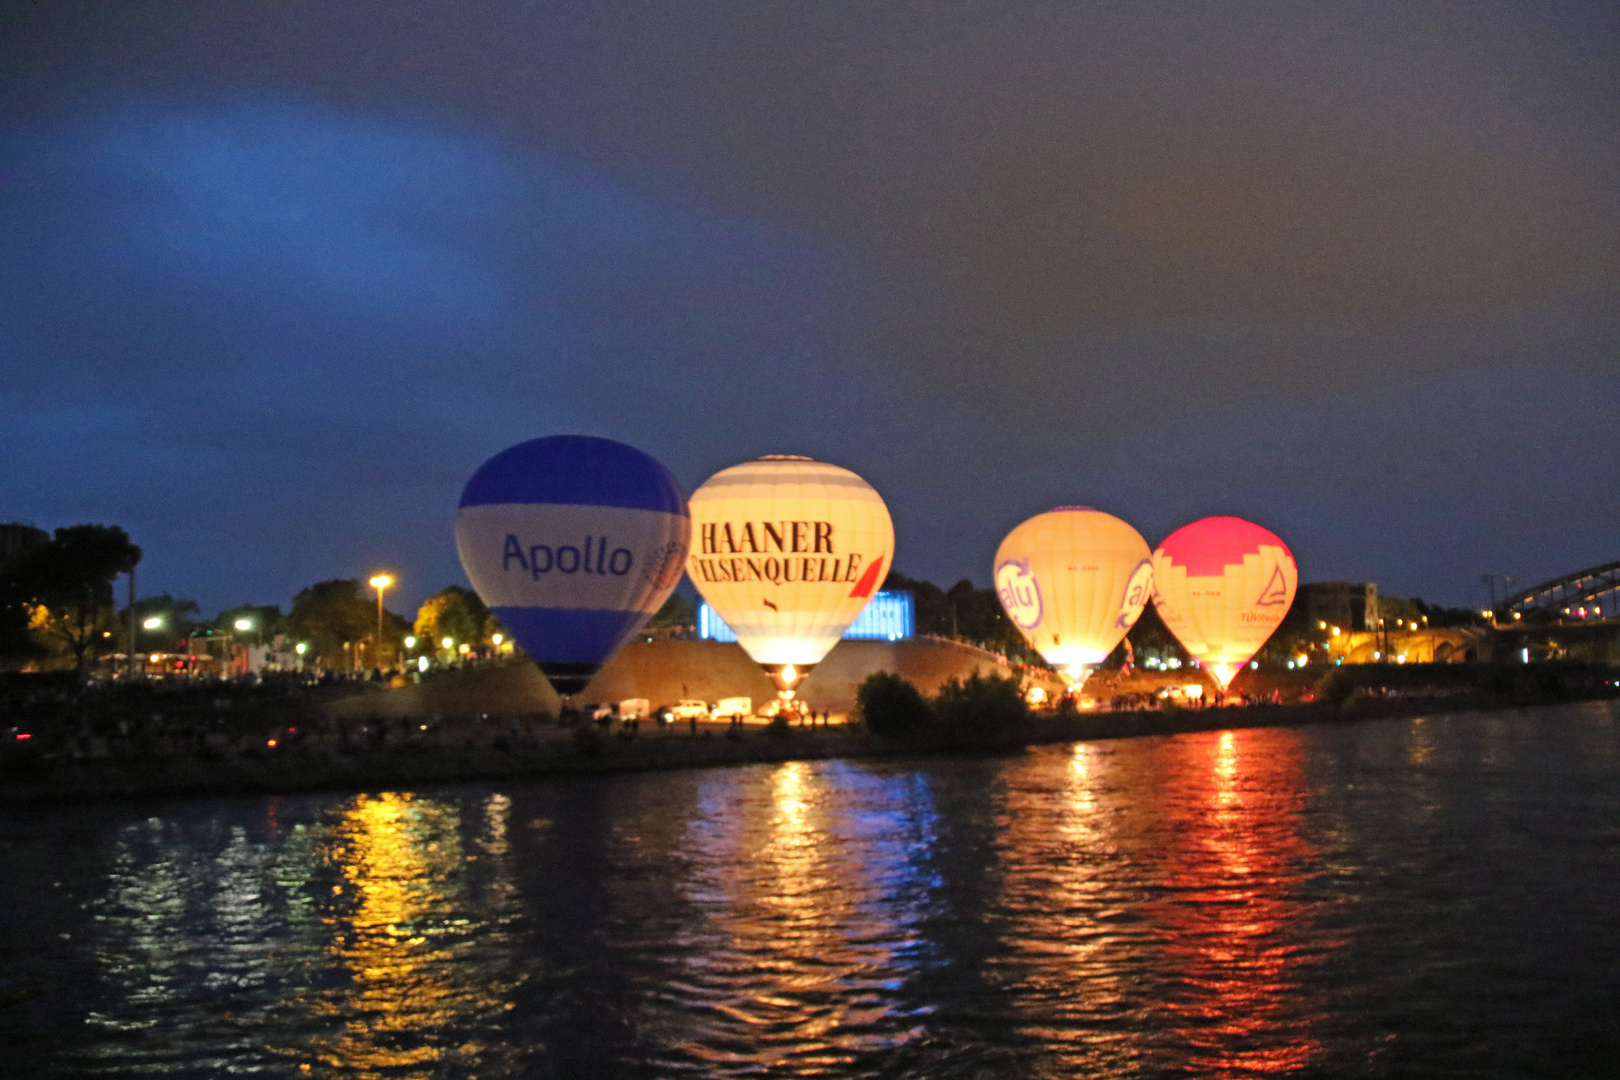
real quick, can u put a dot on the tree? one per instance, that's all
(177, 618)
(1149, 638)
(929, 605)
(1438, 615)
(677, 611)
(455, 613)
(892, 707)
(335, 618)
(264, 622)
(984, 712)
(965, 613)
(67, 586)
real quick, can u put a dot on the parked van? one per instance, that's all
(636, 708)
(733, 708)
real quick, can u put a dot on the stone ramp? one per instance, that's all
(667, 671)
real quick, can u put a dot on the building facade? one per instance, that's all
(1341, 603)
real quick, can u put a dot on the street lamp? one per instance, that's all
(152, 622)
(380, 582)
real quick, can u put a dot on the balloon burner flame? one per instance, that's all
(1077, 674)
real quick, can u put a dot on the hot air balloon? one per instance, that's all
(1074, 580)
(1222, 585)
(788, 551)
(573, 541)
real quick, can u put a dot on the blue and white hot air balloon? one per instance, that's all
(574, 542)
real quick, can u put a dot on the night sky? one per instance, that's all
(276, 277)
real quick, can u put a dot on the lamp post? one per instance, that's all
(380, 582)
(242, 627)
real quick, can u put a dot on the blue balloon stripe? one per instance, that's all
(569, 635)
(580, 470)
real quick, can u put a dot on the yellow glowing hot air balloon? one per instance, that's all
(1222, 585)
(1074, 580)
(788, 550)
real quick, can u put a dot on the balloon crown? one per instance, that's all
(1087, 509)
(785, 457)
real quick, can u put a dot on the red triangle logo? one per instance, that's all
(868, 580)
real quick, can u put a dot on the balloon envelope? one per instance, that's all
(573, 541)
(1074, 580)
(788, 551)
(1222, 585)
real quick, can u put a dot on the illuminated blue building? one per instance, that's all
(889, 617)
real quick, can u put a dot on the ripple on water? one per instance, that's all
(1423, 896)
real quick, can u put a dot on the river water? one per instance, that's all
(1433, 897)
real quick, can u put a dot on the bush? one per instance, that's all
(1336, 687)
(891, 707)
(985, 712)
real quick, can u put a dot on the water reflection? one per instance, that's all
(1135, 908)
(805, 878)
(1237, 921)
(1069, 839)
(398, 923)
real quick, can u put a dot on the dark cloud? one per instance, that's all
(274, 278)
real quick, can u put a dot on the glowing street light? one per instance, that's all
(153, 622)
(244, 624)
(380, 582)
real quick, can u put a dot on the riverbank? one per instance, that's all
(523, 748)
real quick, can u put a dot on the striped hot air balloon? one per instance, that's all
(788, 550)
(1074, 580)
(1222, 585)
(574, 542)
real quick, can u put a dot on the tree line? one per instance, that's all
(58, 607)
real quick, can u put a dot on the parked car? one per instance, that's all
(635, 708)
(685, 709)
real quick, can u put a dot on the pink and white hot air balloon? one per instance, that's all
(1222, 585)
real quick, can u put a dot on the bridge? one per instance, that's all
(1585, 596)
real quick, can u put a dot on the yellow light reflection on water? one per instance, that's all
(792, 889)
(395, 931)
